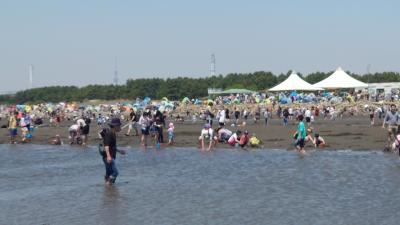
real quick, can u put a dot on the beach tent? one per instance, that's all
(146, 100)
(237, 91)
(186, 100)
(295, 83)
(293, 94)
(338, 80)
(197, 102)
(210, 102)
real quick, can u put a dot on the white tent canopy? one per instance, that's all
(294, 83)
(340, 79)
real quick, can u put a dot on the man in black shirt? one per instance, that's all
(85, 130)
(133, 119)
(285, 116)
(110, 150)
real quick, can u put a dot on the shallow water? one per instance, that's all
(63, 185)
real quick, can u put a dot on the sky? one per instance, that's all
(76, 42)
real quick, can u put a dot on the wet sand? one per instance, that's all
(349, 133)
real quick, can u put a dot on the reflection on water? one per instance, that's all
(50, 185)
(110, 205)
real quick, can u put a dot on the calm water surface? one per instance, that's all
(63, 185)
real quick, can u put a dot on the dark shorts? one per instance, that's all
(145, 131)
(224, 138)
(13, 132)
(308, 119)
(300, 143)
(85, 130)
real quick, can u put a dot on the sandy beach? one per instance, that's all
(348, 133)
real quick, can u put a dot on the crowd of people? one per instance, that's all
(222, 134)
(225, 121)
(229, 121)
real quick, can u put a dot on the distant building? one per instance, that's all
(220, 91)
(386, 88)
(214, 91)
(7, 92)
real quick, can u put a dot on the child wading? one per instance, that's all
(301, 135)
(171, 134)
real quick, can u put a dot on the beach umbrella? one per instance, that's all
(146, 100)
(185, 100)
(293, 94)
(197, 102)
(169, 105)
(161, 108)
(27, 108)
(137, 105)
(20, 107)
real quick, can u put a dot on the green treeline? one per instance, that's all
(173, 88)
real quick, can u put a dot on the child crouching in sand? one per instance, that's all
(56, 141)
(207, 134)
(319, 142)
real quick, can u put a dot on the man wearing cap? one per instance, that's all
(110, 150)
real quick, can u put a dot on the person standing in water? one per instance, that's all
(110, 150)
(392, 119)
(12, 127)
(301, 135)
(171, 134)
(144, 122)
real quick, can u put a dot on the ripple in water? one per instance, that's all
(50, 185)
